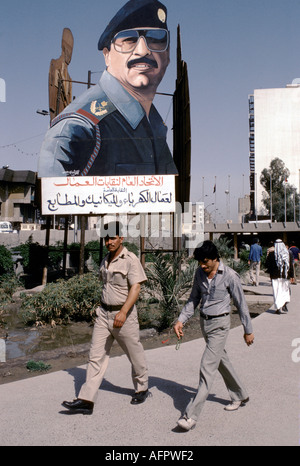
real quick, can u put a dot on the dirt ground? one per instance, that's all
(76, 355)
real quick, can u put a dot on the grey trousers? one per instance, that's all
(104, 335)
(215, 358)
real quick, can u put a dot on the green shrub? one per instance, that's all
(264, 257)
(225, 251)
(227, 256)
(244, 255)
(55, 255)
(93, 248)
(9, 283)
(6, 261)
(74, 299)
(74, 249)
(34, 256)
(34, 366)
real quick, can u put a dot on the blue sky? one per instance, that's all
(231, 48)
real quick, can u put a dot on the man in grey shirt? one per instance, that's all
(214, 286)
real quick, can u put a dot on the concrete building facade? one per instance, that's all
(274, 132)
(17, 190)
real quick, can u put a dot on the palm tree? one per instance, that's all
(169, 279)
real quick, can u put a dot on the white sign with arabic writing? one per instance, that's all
(97, 195)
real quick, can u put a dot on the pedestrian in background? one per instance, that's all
(296, 260)
(279, 266)
(271, 247)
(254, 260)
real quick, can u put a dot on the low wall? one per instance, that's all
(39, 236)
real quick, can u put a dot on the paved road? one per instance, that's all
(31, 412)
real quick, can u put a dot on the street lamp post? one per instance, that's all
(227, 206)
(285, 201)
(205, 210)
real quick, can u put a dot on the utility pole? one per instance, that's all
(83, 218)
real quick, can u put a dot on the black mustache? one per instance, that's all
(146, 60)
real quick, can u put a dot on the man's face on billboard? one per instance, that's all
(141, 69)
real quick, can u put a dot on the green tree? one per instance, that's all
(284, 196)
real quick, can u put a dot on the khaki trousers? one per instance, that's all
(104, 335)
(254, 272)
(214, 359)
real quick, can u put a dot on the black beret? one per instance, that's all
(135, 14)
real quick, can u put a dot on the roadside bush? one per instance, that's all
(264, 257)
(9, 283)
(227, 256)
(6, 262)
(225, 251)
(93, 249)
(243, 255)
(27, 251)
(34, 256)
(75, 299)
(74, 249)
(55, 255)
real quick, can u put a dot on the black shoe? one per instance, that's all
(139, 397)
(284, 308)
(79, 406)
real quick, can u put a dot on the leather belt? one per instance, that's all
(208, 317)
(111, 308)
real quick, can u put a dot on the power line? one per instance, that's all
(15, 145)
(22, 151)
(23, 140)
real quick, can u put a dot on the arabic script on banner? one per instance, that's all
(97, 195)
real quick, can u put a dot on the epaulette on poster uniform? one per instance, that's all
(93, 112)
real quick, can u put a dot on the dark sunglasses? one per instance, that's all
(157, 40)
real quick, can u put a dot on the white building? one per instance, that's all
(274, 132)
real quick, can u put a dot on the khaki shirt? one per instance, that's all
(123, 272)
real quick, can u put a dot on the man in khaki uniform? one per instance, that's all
(122, 275)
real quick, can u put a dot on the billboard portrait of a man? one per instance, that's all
(113, 128)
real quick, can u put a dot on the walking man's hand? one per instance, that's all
(178, 329)
(249, 338)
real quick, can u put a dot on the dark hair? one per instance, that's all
(208, 250)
